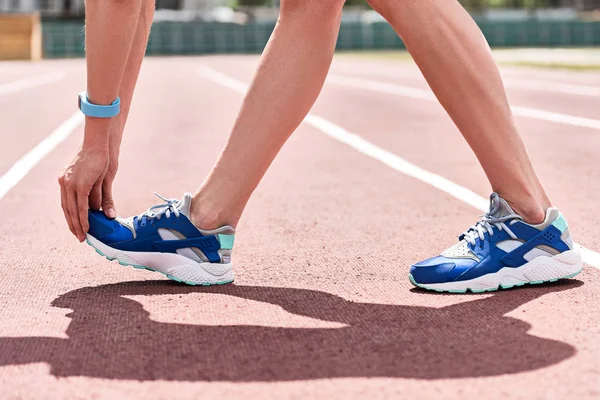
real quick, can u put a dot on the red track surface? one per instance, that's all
(321, 307)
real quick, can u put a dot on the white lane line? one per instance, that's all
(516, 83)
(397, 163)
(553, 87)
(222, 79)
(27, 83)
(422, 94)
(589, 257)
(556, 117)
(393, 161)
(21, 168)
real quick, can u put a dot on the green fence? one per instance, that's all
(65, 39)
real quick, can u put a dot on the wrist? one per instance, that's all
(96, 134)
(95, 147)
(98, 110)
(116, 132)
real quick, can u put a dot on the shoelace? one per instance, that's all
(487, 224)
(170, 206)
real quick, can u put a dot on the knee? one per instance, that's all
(383, 6)
(112, 3)
(316, 10)
(119, 7)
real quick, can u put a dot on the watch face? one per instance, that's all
(79, 102)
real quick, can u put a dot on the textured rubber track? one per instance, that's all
(321, 307)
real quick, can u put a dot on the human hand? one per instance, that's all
(85, 172)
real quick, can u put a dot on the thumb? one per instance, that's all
(108, 204)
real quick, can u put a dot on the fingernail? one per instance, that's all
(111, 213)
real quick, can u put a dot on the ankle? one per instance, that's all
(207, 215)
(531, 215)
(532, 211)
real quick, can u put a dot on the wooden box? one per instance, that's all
(20, 37)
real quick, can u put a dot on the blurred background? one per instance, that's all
(53, 28)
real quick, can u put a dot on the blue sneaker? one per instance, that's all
(502, 251)
(163, 239)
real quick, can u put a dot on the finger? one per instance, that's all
(96, 196)
(74, 214)
(82, 209)
(108, 204)
(65, 208)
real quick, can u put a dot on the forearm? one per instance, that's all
(110, 30)
(132, 70)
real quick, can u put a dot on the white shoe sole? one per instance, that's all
(174, 266)
(537, 271)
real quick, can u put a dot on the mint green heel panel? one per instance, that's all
(226, 241)
(560, 223)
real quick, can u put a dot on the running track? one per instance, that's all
(375, 179)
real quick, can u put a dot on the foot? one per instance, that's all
(163, 239)
(502, 251)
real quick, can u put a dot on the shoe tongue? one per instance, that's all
(499, 208)
(184, 204)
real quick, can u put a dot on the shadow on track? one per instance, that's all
(113, 337)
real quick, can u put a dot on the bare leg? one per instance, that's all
(289, 79)
(456, 60)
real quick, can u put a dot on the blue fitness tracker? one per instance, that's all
(94, 110)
